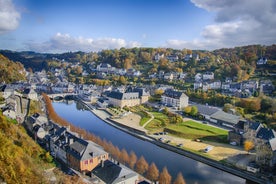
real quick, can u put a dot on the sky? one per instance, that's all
(57, 26)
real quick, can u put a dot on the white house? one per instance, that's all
(172, 58)
(158, 56)
(262, 61)
(198, 77)
(208, 76)
(168, 76)
(175, 98)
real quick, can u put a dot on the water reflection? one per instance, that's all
(193, 171)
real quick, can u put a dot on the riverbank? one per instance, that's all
(222, 166)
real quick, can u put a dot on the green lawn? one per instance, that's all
(143, 120)
(159, 115)
(155, 125)
(188, 129)
(194, 130)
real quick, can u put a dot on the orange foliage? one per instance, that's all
(121, 155)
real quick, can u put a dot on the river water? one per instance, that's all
(194, 172)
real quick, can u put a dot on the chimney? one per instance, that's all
(68, 128)
(66, 139)
(71, 141)
(102, 163)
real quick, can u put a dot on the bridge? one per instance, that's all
(60, 95)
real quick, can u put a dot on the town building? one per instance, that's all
(129, 98)
(208, 76)
(175, 98)
(84, 155)
(114, 173)
(172, 58)
(262, 61)
(158, 56)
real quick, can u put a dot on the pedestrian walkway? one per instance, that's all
(151, 118)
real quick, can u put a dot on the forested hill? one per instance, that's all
(221, 61)
(11, 71)
(23, 161)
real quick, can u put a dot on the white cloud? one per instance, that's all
(237, 22)
(9, 17)
(64, 43)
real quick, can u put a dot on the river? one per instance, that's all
(194, 172)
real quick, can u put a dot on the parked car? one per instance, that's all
(208, 148)
(233, 143)
(161, 139)
(197, 140)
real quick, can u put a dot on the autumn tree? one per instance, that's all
(122, 80)
(179, 179)
(132, 159)
(158, 92)
(124, 157)
(145, 56)
(153, 172)
(187, 110)
(127, 63)
(248, 145)
(163, 64)
(194, 110)
(165, 177)
(177, 119)
(142, 165)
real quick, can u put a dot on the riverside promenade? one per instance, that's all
(105, 116)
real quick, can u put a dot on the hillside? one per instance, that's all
(11, 71)
(22, 160)
(238, 63)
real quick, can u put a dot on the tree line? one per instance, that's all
(141, 166)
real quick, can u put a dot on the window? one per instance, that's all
(86, 162)
(91, 160)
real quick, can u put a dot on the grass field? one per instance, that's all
(143, 120)
(194, 130)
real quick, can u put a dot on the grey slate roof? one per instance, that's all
(226, 117)
(141, 91)
(266, 134)
(173, 94)
(123, 96)
(206, 110)
(254, 125)
(112, 173)
(77, 148)
(84, 150)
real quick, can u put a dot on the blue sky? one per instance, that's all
(92, 25)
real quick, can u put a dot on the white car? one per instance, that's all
(233, 143)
